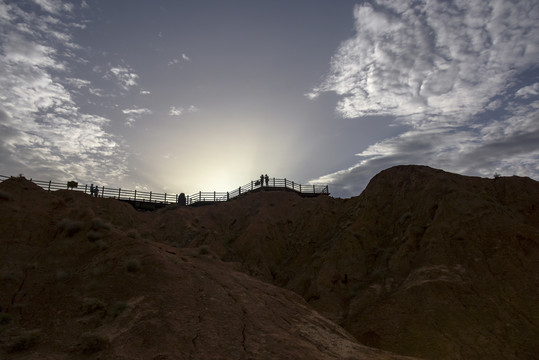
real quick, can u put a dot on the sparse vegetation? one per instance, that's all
(118, 308)
(5, 196)
(132, 265)
(204, 250)
(62, 275)
(93, 236)
(102, 244)
(99, 224)
(92, 305)
(23, 342)
(133, 234)
(71, 227)
(90, 343)
(5, 319)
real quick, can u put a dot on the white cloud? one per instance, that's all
(174, 111)
(54, 6)
(42, 127)
(145, 92)
(133, 115)
(528, 91)
(179, 111)
(124, 75)
(177, 61)
(437, 66)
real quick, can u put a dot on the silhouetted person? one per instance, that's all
(181, 199)
(96, 191)
(92, 189)
(261, 180)
(267, 179)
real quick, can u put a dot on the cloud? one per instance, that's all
(54, 6)
(179, 111)
(133, 115)
(145, 92)
(42, 127)
(124, 75)
(177, 61)
(446, 69)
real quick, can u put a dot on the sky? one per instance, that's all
(203, 95)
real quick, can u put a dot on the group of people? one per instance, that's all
(264, 178)
(94, 190)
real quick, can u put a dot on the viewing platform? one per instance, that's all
(148, 200)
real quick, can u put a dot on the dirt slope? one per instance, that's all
(85, 278)
(423, 263)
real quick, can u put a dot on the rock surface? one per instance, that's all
(423, 263)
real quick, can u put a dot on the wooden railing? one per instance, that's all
(197, 198)
(273, 184)
(109, 192)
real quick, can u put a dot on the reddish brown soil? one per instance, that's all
(423, 263)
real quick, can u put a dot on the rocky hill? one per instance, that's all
(423, 263)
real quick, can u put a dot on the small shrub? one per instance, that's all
(91, 343)
(204, 250)
(102, 244)
(98, 224)
(91, 305)
(62, 275)
(5, 319)
(71, 227)
(118, 308)
(5, 196)
(23, 342)
(132, 265)
(133, 234)
(93, 236)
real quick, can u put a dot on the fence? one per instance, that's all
(200, 197)
(108, 192)
(272, 184)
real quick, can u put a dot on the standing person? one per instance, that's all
(267, 179)
(92, 189)
(261, 180)
(96, 191)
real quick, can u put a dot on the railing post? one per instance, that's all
(214, 198)
(49, 184)
(285, 184)
(293, 186)
(239, 190)
(251, 185)
(273, 182)
(227, 196)
(135, 199)
(300, 188)
(200, 196)
(119, 193)
(165, 198)
(314, 191)
(150, 196)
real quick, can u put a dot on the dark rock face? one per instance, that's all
(423, 263)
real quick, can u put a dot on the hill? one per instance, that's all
(423, 263)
